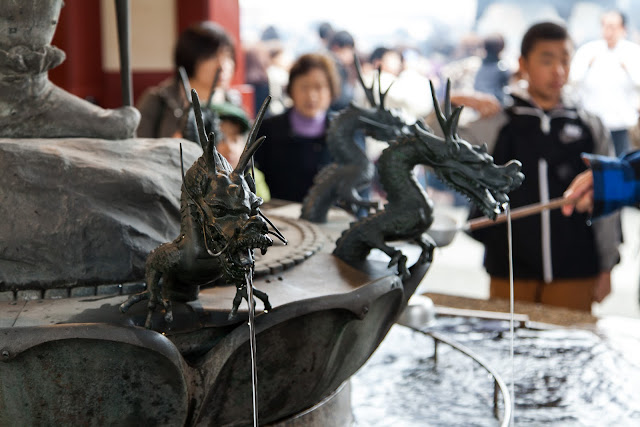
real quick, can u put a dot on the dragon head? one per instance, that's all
(467, 168)
(381, 123)
(229, 208)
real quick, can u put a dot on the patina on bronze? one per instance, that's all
(220, 226)
(467, 168)
(351, 170)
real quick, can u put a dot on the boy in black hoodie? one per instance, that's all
(557, 260)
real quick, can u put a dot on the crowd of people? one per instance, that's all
(556, 104)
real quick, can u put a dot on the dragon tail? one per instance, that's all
(356, 242)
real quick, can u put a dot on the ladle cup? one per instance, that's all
(444, 236)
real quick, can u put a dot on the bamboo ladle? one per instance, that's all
(444, 236)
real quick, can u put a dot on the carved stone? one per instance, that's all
(84, 211)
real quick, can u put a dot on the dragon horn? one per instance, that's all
(202, 135)
(184, 184)
(367, 90)
(185, 82)
(212, 137)
(383, 94)
(436, 107)
(214, 151)
(212, 91)
(187, 89)
(209, 156)
(208, 145)
(447, 101)
(453, 129)
(252, 145)
(181, 164)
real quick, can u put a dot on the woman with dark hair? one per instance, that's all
(296, 148)
(201, 49)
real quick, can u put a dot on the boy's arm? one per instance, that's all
(616, 182)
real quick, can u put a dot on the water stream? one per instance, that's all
(511, 309)
(252, 342)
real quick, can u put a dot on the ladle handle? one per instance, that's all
(520, 212)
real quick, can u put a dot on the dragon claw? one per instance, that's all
(241, 293)
(394, 259)
(400, 259)
(426, 256)
(234, 311)
(151, 306)
(403, 271)
(427, 244)
(168, 316)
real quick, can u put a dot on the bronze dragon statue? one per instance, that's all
(407, 215)
(221, 224)
(351, 170)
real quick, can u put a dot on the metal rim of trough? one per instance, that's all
(499, 384)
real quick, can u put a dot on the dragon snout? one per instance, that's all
(511, 177)
(513, 166)
(254, 235)
(255, 225)
(513, 169)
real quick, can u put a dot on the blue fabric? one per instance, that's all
(616, 182)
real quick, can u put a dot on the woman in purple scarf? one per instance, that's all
(296, 149)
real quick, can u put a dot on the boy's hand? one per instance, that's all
(580, 192)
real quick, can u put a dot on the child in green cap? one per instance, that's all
(234, 124)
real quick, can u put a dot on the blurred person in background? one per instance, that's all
(342, 48)
(606, 75)
(278, 75)
(295, 148)
(463, 64)
(493, 75)
(462, 71)
(201, 49)
(325, 33)
(255, 65)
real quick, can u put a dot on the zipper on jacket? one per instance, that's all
(545, 223)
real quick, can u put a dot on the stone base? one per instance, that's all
(85, 212)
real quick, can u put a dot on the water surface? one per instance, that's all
(563, 377)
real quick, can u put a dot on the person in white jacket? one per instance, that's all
(606, 76)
